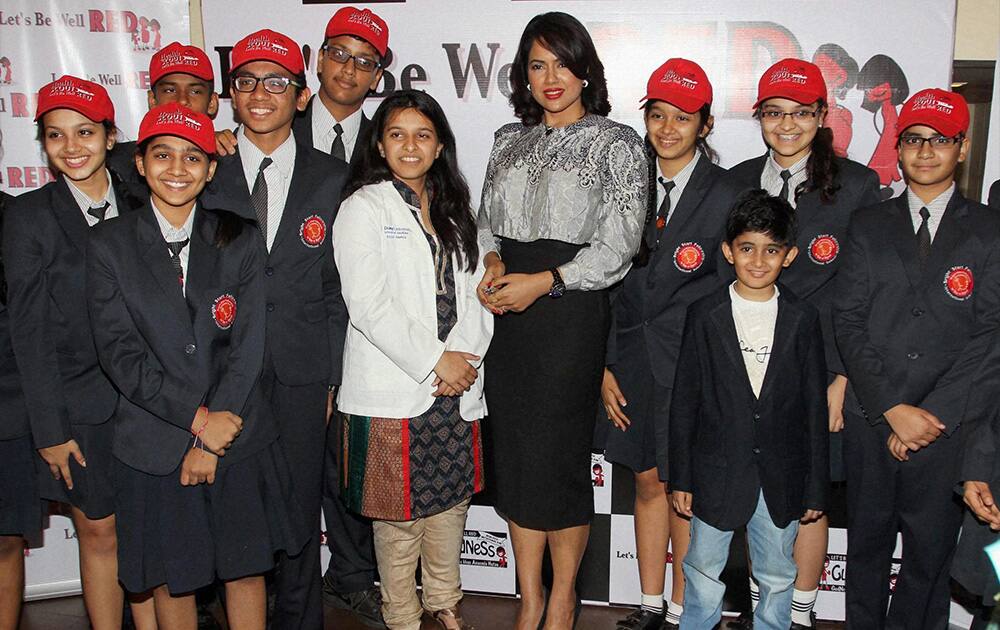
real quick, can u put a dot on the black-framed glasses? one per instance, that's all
(361, 64)
(272, 85)
(915, 142)
(799, 115)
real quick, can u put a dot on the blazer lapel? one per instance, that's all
(787, 320)
(950, 232)
(904, 239)
(228, 190)
(722, 317)
(690, 199)
(69, 215)
(157, 259)
(298, 187)
(202, 261)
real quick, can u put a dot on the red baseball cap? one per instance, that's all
(80, 95)
(360, 23)
(794, 79)
(173, 119)
(680, 82)
(268, 45)
(946, 112)
(176, 57)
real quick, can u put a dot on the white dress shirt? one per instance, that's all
(85, 202)
(680, 180)
(278, 176)
(770, 177)
(936, 209)
(323, 133)
(172, 234)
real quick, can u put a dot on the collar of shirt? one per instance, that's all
(770, 178)
(322, 128)
(251, 156)
(86, 202)
(936, 209)
(170, 233)
(680, 180)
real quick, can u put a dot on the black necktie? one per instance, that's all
(99, 212)
(258, 196)
(785, 176)
(337, 150)
(175, 257)
(663, 212)
(924, 237)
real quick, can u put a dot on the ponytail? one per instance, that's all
(704, 115)
(821, 167)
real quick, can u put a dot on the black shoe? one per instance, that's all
(366, 605)
(812, 623)
(743, 622)
(641, 620)
(668, 625)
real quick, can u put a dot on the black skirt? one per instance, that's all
(20, 506)
(187, 536)
(93, 490)
(542, 382)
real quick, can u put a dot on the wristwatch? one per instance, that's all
(558, 286)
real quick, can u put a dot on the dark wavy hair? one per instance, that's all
(451, 206)
(641, 258)
(821, 167)
(566, 38)
(878, 70)
(757, 211)
(846, 63)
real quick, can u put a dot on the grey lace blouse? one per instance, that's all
(583, 183)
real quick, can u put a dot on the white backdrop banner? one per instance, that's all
(461, 53)
(108, 42)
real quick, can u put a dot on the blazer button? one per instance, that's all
(756, 416)
(913, 355)
(190, 348)
(645, 322)
(756, 451)
(268, 271)
(917, 311)
(270, 307)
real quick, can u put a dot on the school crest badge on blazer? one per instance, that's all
(313, 231)
(823, 249)
(688, 257)
(958, 282)
(224, 311)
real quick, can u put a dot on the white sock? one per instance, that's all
(653, 603)
(802, 605)
(674, 612)
(754, 595)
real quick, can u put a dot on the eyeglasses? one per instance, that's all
(362, 64)
(799, 115)
(272, 85)
(913, 142)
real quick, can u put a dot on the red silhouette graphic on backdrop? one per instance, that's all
(6, 71)
(840, 72)
(885, 88)
(598, 476)
(501, 557)
(154, 26)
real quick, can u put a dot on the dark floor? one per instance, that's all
(483, 612)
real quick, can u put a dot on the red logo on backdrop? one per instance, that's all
(6, 70)
(958, 282)
(313, 231)
(823, 249)
(688, 257)
(224, 311)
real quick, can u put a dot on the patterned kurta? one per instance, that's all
(401, 469)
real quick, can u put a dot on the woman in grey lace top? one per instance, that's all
(561, 215)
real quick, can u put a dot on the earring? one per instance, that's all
(529, 87)
(585, 83)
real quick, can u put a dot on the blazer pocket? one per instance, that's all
(315, 311)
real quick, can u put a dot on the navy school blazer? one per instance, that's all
(306, 315)
(726, 446)
(822, 235)
(302, 128)
(45, 243)
(168, 353)
(917, 335)
(13, 413)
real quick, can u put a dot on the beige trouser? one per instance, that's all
(436, 541)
